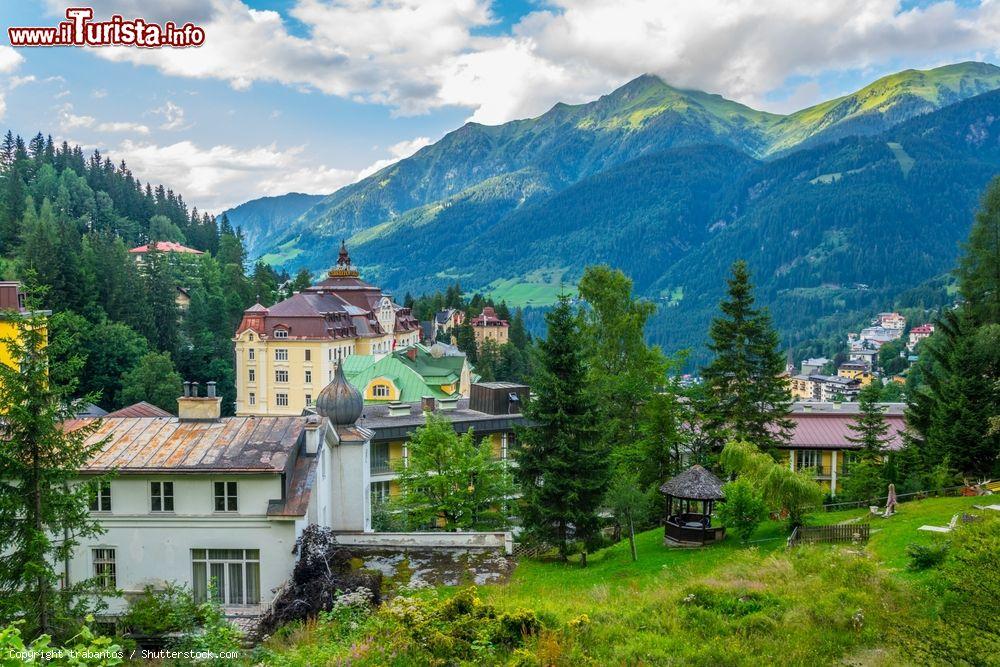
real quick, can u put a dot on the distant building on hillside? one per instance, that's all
(140, 252)
(867, 353)
(879, 335)
(812, 366)
(918, 334)
(445, 322)
(857, 370)
(890, 321)
(488, 326)
(824, 387)
(12, 304)
(286, 353)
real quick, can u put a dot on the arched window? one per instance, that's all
(380, 391)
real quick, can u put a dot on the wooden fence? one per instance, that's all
(846, 532)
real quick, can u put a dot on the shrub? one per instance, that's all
(171, 609)
(216, 636)
(743, 509)
(85, 649)
(923, 557)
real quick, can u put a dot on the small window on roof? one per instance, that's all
(281, 333)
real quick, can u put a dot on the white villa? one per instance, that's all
(196, 497)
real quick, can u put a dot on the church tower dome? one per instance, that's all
(340, 401)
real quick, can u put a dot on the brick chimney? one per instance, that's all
(194, 408)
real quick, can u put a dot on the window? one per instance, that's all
(847, 459)
(234, 574)
(161, 496)
(281, 400)
(100, 497)
(250, 338)
(252, 375)
(380, 391)
(309, 355)
(225, 497)
(309, 399)
(281, 375)
(253, 398)
(309, 377)
(380, 457)
(380, 492)
(281, 333)
(104, 567)
(281, 354)
(251, 354)
(808, 458)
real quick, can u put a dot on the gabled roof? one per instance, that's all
(140, 409)
(832, 430)
(166, 444)
(167, 246)
(423, 375)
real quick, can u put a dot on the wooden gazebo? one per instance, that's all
(691, 498)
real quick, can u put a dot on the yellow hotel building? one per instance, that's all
(287, 353)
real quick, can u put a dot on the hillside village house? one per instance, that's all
(197, 498)
(813, 366)
(12, 303)
(487, 326)
(890, 321)
(140, 252)
(492, 411)
(857, 370)
(409, 374)
(820, 439)
(286, 353)
(824, 387)
(918, 334)
(866, 353)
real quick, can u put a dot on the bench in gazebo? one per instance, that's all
(691, 498)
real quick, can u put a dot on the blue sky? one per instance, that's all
(309, 95)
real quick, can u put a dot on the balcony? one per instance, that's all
(382, 466)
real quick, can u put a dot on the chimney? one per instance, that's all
(313, 434)
(411, 352)
(427, 403)
(448, 404)
(194, 408)
(397, 409)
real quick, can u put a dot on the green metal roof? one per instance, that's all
(422, 376)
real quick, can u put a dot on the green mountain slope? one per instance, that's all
(882, 104)
(261, 219)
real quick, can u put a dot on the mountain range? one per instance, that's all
(839, 208)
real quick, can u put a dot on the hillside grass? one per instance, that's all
(723, 604)
(539, 288)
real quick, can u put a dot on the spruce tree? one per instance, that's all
(870, 428)
(747, 396)
(979, 269)
(43, 513)
(562, 466)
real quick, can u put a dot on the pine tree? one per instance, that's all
(43, 514)
(870, 428)
(979, 269)
(562, 466)
(747, 397)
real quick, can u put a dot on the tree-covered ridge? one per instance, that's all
(67, 223)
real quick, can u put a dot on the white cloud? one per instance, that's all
(69, 121)
(9, 59)
(173, 116)
(416, 55)
(218, 177)
(397, 152)
(137, 128)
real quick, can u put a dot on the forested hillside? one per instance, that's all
(67, 223)
(261, 219)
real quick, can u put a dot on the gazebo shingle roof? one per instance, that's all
(695, 483)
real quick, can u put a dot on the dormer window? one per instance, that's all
(281, 333)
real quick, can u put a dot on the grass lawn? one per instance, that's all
(719, 605)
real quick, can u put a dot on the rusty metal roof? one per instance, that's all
(140, 409)
(231, 444)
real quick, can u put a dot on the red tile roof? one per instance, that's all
(167, 246)
(831, 431)
(140, 409)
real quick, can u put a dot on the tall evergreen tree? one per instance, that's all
(979, 268)
(562, 466)
(43, 513)
(747, 396)
(869, 427)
